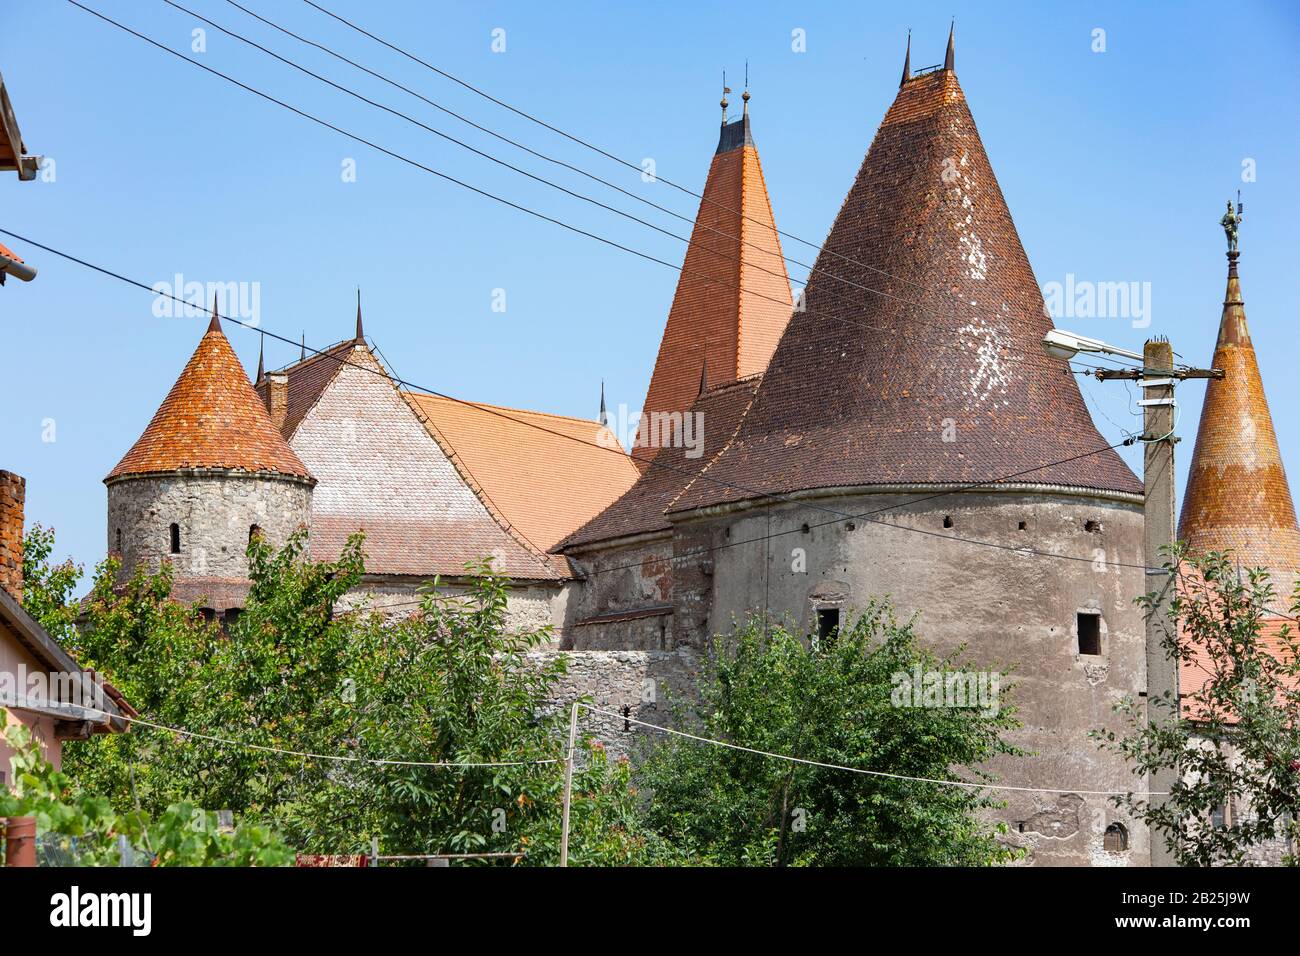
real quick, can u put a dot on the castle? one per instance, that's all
(896, 432)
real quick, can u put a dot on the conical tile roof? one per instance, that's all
(937, 375)
(211, 418)
(1237, 496)
(733, 297)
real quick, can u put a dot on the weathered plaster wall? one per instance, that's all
(618, 580)
(1013, 610)
(528, 607)
(214, 510)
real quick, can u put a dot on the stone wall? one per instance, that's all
(215, 511)
(620, 582)
(1015, 610)
(528, 606)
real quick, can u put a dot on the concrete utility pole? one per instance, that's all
(1159, 531)
(1156, 378)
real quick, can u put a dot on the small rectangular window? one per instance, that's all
(1089, 625)
(828, 621)
(176, 539)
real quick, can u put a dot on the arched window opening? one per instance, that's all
(1115, 839)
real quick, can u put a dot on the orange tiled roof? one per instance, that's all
(211, 418)
(1237, 496)
(864, 389)
(734, 246)
(9, 253)
(543, 475)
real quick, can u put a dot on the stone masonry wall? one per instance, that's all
(215, 512)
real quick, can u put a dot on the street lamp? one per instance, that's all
(1061, 344)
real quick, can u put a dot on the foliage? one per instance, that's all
(303, 671)
(1235, 742)
(182, 836)
(829, 702)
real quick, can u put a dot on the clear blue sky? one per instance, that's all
(1116, 166)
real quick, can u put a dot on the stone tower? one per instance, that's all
(208, 473)
(910, 440)
(1237, 497)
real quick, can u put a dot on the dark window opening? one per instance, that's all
(254, 532)
(119, 540)
(208, 614)
(229, 618)
(828, 621)
(1115, 839)
(851, 526)
(805, 529)
(1092, 527)
(947, 521)
(176, 539)
(1020, 526)
(1089, 625)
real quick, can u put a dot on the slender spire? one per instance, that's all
(725, 90)
(215, 324)
(361, 335)
(604, 416)
(949, 56)
(704, 375)
(745, 95)
(261, 365)
(907, 62)
(303, 353)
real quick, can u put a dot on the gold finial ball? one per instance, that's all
(745, 96)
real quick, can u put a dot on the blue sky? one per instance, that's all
(1115, 164)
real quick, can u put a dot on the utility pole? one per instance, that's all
(568, 785)
(1156, 378)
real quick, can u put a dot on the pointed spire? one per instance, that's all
(215, 324)
(261, 365)
(949, 56)
(745, 95)
(704, 375)
(1237, 496)
(725, 90)
(303, 353)
(361, 335)
(907, 62)
(604, 416)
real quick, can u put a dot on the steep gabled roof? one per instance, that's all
(733, 296)
(1237, 497)
(719, 410)
(544, 475)
(937, 375)
(307, 379)
(211, 418)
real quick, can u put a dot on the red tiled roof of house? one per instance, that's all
(733, 296)
(542, 475)
(937, 376)
(642, 509)
(211, 418)
(1237, 496)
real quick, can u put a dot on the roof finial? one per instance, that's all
(704, 375)
(725, 90)
(1231, 222)
(361, 336)
(949, 56)
(604, 416)
(261, 366)
(215, 324)
(303, 353)
(907, 61)
(745, 95)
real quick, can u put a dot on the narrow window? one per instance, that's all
(1220, 817)
(1021, 526)
(1115, 839)
(828, 620)
(176, 538)
(947, 521)
(254, 532)
(1089, 624)
(1092, 527)
(119, 541)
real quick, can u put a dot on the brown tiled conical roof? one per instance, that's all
(938, 375)
(1237, 495)
(211, 418)
(733, 297)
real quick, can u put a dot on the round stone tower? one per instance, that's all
(209, 472)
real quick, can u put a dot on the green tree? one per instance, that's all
(832, 702)
(309, 669)
(1235, 740)
(87, 828)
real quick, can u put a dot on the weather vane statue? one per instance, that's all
(1230, 221)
